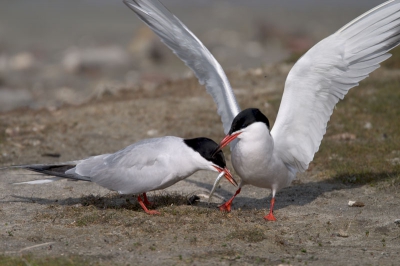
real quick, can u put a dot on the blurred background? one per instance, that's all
(55, 52)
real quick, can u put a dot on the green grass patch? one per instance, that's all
(129, 202)
(45, 261)
(114, 209)
(252, 235)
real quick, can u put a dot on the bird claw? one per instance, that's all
(152, 212)
(270, 217)
(226, 207)
(142, 204)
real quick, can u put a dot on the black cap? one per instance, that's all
(247, 117)
(206, 147)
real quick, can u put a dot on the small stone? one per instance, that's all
(368, 125)
(152, 132)
(256, 72)
(22, 61)
(356, 203)
(397, 221)
(342, 233)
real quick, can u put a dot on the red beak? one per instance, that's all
(227, 175)
(228, 139)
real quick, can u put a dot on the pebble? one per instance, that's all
(356, 203)
(368, 125)
(22, 61)
(342, 233)
(397, 221)
(152, 132)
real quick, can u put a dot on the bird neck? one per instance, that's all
(255, 142)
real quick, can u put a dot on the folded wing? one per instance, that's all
(138, 168)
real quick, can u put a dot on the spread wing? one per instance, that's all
(325, 74)
(191, 51)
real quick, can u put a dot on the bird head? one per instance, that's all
(245, 123)
(206, 148)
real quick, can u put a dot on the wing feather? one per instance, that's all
(325, 74)
(192, 52)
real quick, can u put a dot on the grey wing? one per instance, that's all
(325, 74)
(138, 168)
(191, 51)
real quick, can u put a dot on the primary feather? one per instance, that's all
(315, 84)
(325, 74)
(191, 51)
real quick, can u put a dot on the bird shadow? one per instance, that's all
(299, 193)
(113, 200)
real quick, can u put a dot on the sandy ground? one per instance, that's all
(82, 220)
(106, 103)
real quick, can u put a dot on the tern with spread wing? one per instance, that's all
(270, 158)
(147, 165)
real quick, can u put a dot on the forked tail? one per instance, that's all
(56, 170)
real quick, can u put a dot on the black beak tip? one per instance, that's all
(236, 184)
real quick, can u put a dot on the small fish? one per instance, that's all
(215, 185)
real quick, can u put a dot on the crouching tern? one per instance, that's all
(270, 158)
(147, 165)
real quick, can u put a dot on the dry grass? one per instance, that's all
(253, 235)
(371, 113)
(309, 216)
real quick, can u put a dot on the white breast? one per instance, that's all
(254, 159)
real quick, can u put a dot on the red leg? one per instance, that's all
(145, 208)
(270, 216)
(146, 201)
(227, 205)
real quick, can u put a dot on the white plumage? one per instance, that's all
(147, 165)
(325, 74)
(315, 84)
(192, 52)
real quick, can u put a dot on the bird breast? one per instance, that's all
(257, 164)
